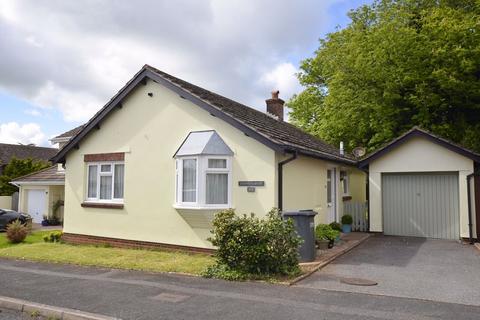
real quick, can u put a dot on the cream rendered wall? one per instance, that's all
(149, 130)
(358, 185)
(305, 186)
(418, 155)
(5, 202)
(55, 193)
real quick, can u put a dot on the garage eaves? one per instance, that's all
(419, 132)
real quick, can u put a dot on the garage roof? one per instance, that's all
(50, 175)
(419, 132)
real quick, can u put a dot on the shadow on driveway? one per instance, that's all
(438, 270)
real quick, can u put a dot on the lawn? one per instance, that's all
(146, 260)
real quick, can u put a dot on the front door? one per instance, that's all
(36, 205)
(331, 195)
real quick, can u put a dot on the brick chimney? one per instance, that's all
(275, 105)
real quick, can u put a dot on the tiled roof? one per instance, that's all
(9, 151)
(275, 133)
(70, 133)
(279, 132)
(51, 174)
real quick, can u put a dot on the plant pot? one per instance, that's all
(323, 244)
(44, 223)
(331, 243)
(346, 228)
(337, 239)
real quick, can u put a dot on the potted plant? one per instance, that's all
(325, 236)
(45, 220)
(347, 221)
(336, 226)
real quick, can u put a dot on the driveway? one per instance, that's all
(437, 270)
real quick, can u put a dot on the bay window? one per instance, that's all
(105, 182)
(203, 182)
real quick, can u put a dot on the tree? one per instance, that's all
(397, 64)
(17, 168)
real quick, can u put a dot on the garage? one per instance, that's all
(36, 204)
(421, 205)
(417, 187)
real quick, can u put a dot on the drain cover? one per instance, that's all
(358, 282)
(169, 297)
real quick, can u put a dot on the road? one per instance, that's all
(139, 295)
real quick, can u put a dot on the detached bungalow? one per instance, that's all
(158, 160)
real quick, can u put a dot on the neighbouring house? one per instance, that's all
(163, 155)
(418, 187)
(42, 193)
(19, 151)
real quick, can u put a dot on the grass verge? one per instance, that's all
(145, 260)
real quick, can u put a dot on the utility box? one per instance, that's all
(305, 227)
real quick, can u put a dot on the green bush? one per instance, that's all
(336, 226)
(248, 246)
(16, 231)
(347, 219)
(325, 232)
(54, 236)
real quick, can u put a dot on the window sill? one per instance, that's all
(346, 198)
(102, 205)
(179, 206)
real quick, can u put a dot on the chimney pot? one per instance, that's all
(275, 105)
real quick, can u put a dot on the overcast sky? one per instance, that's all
(61, 61)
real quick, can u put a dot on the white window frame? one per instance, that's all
(201, 190)
(345, 182)
(99, 174)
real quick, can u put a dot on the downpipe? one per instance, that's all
(280, 179)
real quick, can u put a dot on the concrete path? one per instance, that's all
(445, 271)
(138, 295)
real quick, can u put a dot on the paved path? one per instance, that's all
(138, 295)
(438, 270)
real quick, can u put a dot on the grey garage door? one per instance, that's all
(421, 205)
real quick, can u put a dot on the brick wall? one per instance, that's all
(130, 244)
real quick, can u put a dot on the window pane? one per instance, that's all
(217, 163)
(217, 188)
(189, 191)
(118, 181)
(329, 186)
(92, 182)
(106, 187)
(105, 168)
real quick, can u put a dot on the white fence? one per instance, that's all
(359, 213)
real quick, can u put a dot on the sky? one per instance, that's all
(61, 61)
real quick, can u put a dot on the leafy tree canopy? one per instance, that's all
(397, 64)
(17, 168)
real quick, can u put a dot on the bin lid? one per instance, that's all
(306, 213)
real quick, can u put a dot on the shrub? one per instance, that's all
(16, 232)
(336, 226)
(325, 232)
(54, 236)
(247, 245)
(347, 219)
